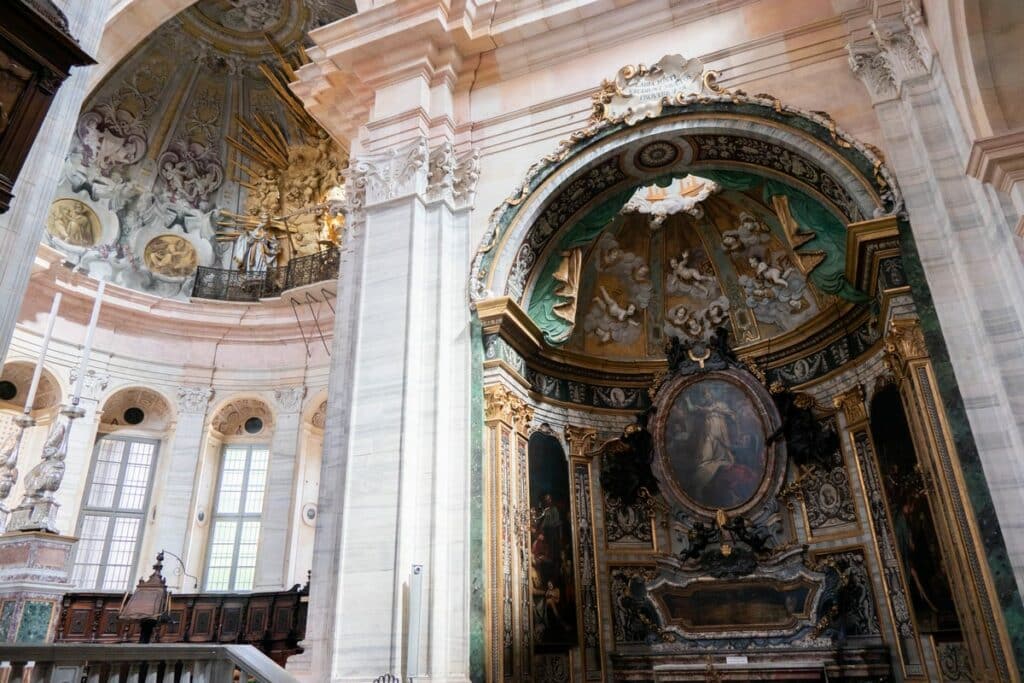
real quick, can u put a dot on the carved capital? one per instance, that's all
(193, 399)
(851, 402)
(580, 440)
(871, 65)
(904, 343)
(905, 54)
(452, 176)
(289, 399)
(378, 178)
(897, 54)
(501, 403)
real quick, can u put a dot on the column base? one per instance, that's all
(38, 515)
(35, 573)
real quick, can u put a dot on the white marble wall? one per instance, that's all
(187, 465)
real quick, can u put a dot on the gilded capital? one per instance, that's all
(904, 343)
(501, 403)
(580, 440)
(851, 402)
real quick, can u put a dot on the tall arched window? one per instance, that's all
(118, 489)
(246, 426)
(113, 510)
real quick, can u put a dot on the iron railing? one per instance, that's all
(233, 285)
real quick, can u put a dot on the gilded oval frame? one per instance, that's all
(765, 411)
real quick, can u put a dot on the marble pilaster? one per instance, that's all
(178, 485)
(968, 255)
(272, 563)
(21, 227)
(396, 455)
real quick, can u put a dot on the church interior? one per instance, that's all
(488, 341)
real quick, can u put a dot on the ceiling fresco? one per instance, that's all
(152, 174)
(688, 255)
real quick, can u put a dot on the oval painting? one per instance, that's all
(171, 255)
(74, 223)
(714, 441)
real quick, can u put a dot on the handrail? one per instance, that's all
(222, 284)
(196, 662)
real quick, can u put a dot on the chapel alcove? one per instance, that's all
(692, 309)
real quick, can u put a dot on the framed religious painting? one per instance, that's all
(713, 436)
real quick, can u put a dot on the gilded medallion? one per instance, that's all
(171, 255)
(74, 222)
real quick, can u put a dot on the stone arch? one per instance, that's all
(985, 37)
(805, 150)
(19, 373)
(229, 418)
(158, 412)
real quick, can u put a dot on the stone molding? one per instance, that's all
(193, 399)
(998, 160)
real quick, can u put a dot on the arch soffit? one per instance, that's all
(157, 405)
(131, 22)
(229, 416)
(51, 389)
(518, 237)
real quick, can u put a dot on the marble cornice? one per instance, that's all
(998, 160)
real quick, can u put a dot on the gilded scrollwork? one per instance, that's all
(628, 523)
(847, 605)
(634, 617)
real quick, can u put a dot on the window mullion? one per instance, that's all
(115, 503)
(243, 499)
(101, 575)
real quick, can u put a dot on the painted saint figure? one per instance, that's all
(716, 446)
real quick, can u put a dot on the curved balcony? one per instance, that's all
(221, 284)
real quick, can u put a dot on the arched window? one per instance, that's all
(110, 524)
(118, 490)
(246, 426)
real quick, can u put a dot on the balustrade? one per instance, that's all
(81, 663)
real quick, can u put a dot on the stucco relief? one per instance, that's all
(193, 399)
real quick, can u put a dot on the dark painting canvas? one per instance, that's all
(552, 579)
(715, 442)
